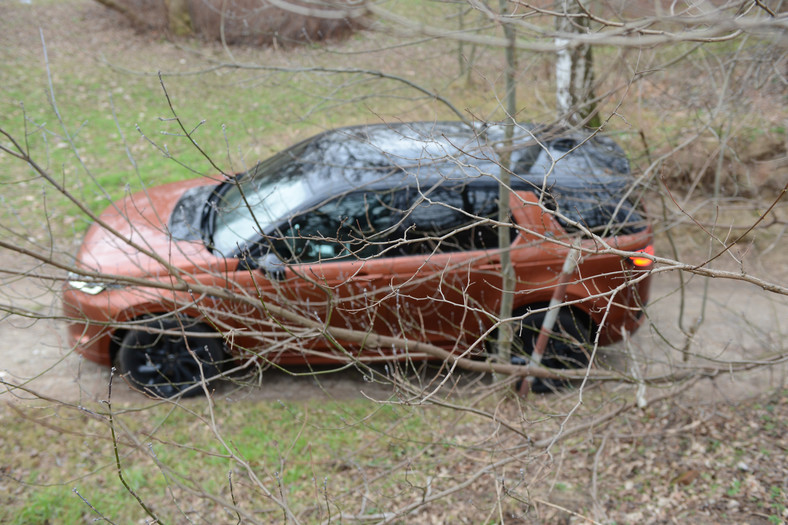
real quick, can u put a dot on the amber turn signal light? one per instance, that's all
(643, 262)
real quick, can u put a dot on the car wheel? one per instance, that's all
(566, 348)
(166, 364)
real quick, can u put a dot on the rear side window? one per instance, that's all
(393, 223)
(449, 219)
(601, 209)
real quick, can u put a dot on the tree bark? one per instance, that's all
(505, 331)
(178, 17)
(574, 72)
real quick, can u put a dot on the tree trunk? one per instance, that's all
(179, 19)
(505, 332)
(574, 74)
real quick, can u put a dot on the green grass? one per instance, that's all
(109, 138)
(51, 504)
(113, 132)
(288, 446)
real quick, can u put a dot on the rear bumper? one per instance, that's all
(626, 312)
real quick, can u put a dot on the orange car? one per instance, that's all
(384, 229)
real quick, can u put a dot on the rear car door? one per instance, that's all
(439, 275)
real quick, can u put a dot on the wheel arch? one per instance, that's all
(576, 310)
(117, 336)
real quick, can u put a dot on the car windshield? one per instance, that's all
(252, 204)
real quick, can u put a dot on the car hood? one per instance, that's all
(133, 232)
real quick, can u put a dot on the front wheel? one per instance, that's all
(166, 357)
(566, 348)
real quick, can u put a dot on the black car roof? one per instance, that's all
(418, 153)
(584, 174)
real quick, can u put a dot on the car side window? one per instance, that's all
(450, 219)
(351, 226)
(600, 209)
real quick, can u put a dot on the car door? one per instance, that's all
(414, 264)
(440, 272)
(326, 267)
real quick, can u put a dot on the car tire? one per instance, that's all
(163, 364)
(566, 348)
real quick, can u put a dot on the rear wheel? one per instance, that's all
(161, 360)
(566, 348)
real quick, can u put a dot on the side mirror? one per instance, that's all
(272, 267)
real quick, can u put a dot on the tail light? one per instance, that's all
(643, 262)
